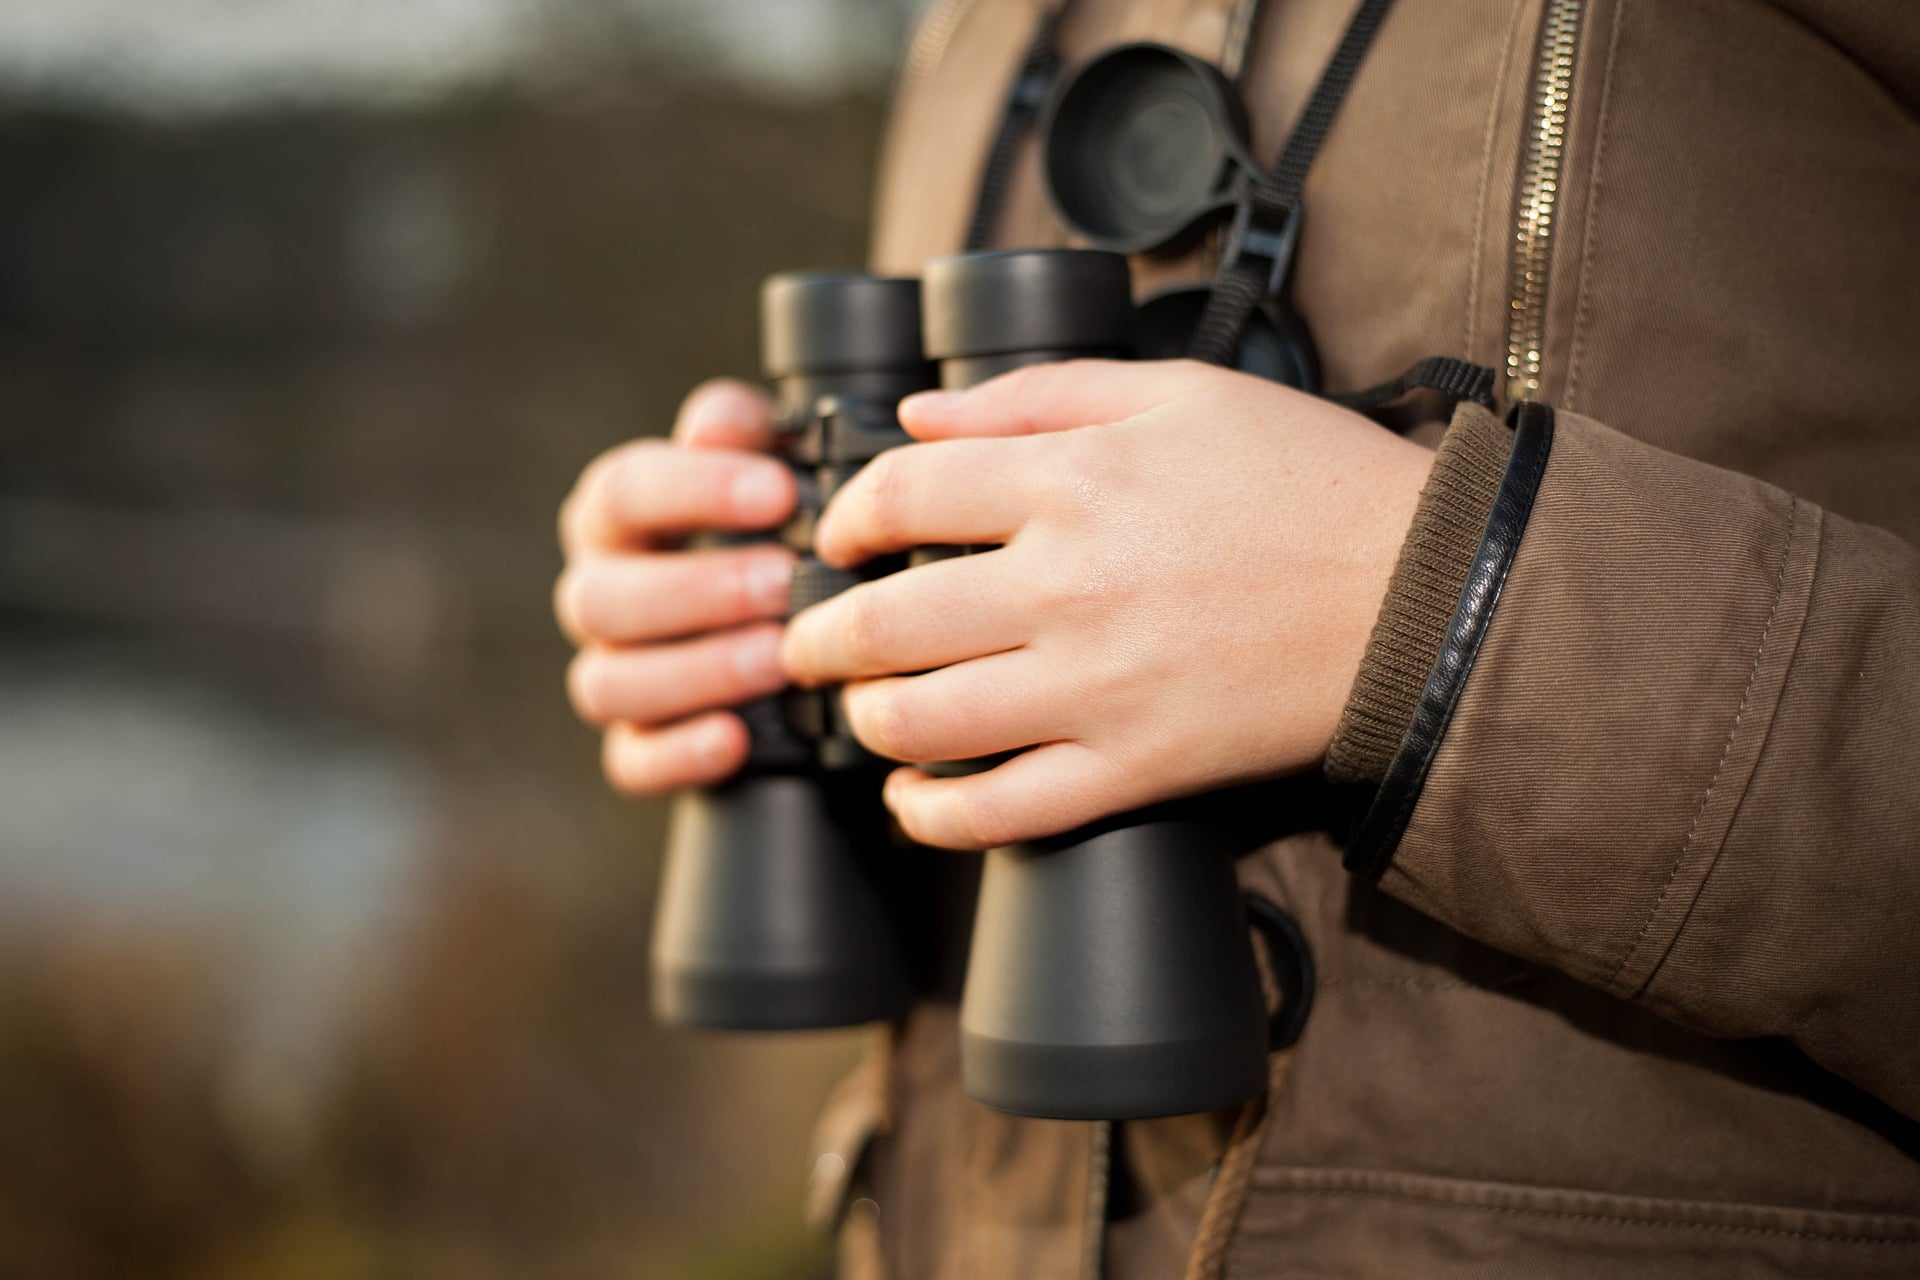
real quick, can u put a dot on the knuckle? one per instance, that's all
(884, 720)
(1098, 465)
(707, 673)
(1091, 473)
(570, 591)
(1034, 381)
(627, 764)
(887, 499)
(1091, 583)
(867, 628)
(587, 688)
(721, 587)
(965, 715)
(625, 492)
(982, 819)
(1108, 678)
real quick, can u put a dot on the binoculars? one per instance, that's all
(1110, 973)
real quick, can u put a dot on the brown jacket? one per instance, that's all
(1638, 991)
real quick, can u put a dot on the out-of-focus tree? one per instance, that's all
(309, 313)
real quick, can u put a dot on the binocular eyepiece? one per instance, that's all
(1110, 973)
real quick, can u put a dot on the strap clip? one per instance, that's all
(1258, 240)
(1033, 86)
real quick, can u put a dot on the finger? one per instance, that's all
(641, 491)
(692, 753)
(665, 682)
(726, 414)
(625, 599)
(956, 491)
(977, 708)
(1052, 397)
(1042, 792)
(914, 620)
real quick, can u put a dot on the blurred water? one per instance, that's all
(128, 794)
(315, 917)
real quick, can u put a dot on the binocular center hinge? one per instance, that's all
(841, 431)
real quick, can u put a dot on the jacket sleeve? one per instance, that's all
(1662, 732)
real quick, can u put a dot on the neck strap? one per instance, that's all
(1259, 251)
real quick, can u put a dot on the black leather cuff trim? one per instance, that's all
(1372, 845)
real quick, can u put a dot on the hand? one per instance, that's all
(667, 637)
(1178, 599)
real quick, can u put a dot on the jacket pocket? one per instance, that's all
(1353, 1222)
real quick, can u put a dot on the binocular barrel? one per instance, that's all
(1111, 975)
(772, 914)
(985, 314)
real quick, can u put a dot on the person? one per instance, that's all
(1624, 979)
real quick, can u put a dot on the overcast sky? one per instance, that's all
(200, 55)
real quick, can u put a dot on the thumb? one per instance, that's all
(1050, 397)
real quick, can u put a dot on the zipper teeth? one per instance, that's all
(1539, 193)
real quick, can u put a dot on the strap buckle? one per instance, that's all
(1033, 86)
(1248, 239)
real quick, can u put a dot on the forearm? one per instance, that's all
(1680, 764)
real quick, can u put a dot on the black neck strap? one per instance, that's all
(1026, 97)
(1453, 378)
(1266, 227)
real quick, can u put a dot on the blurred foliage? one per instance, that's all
(287, 404)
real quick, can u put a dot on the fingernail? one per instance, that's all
(756, 657)
(769, 580)
(931, 404)
(759, 493)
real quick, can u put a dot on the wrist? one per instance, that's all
(1429, 571)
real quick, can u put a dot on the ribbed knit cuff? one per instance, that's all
(1421, 598)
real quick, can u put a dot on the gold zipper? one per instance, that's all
(1539, 194)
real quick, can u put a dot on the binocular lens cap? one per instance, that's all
(815, 322)
(980, 304)
(1140, 143)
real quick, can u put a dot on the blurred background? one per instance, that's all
(322, 948)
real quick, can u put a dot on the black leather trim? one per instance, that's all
(1371, 847)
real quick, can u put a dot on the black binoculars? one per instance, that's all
(1110, 973)
(773, 911)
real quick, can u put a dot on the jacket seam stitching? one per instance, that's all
(1584, 295)
(1726, 748)
(1471, 327)
(1653, 973)
(1500, 987)
(1612, 1219)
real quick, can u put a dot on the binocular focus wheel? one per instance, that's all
(814, 581)
(1291, 964)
